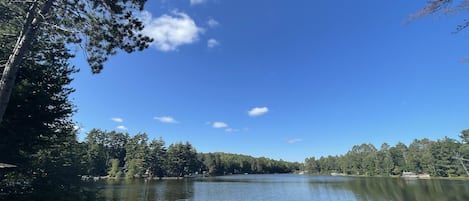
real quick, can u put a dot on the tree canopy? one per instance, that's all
(436, 158)
(444, 7)
(145, 158)
(37, 133)
(99, 28)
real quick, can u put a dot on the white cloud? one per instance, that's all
(79, 129)
(219, 124)
(212, 23)
(212, 43)
(231, 130)
(258, 111)
(166, 119)
(117, 119)
(294, 140)
(194, 2)
(170, 31)
(121, 127)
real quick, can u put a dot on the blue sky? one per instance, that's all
(284, 79)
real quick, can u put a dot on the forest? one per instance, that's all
(440, 158)
(116, 154)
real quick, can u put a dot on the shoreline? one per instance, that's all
(98, 178)
(397, 176)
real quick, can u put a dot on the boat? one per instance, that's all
(409, 175)
(424, 176)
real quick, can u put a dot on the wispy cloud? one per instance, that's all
(166, 119)
(211, 43)
(121, 127)
(294, 140)
(212, 23)
(231, 130)
(195, 2)
(258, 111)
(170, 31)
(219, 124)
(117, 119)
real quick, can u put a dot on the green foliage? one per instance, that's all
(157, 164)
(442, 151)
(97, 154)
(9, 28)
(39, 108)
(385, 162)
(99, 27)
(153, 159)
(224, 163)
(135, 168)
(421, 156)
(182, 159)
(114, 171)
(136, 155)
(465, 136)
(312, 166)
(116, 146)
(102, 146)
(37, 133)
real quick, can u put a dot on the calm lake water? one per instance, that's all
(286, 187)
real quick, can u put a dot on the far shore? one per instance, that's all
(96, 178)
(393, 176)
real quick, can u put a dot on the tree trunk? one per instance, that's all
(27, 34)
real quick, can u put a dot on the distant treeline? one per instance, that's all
(117, 154)
(436, 158)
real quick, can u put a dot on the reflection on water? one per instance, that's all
(261, 188)
(400, 189)
(286, 187)
(133, 190)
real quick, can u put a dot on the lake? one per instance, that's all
(286, 187)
